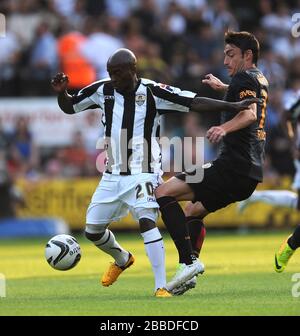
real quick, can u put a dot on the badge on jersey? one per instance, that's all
(262, 80)
(109, 97)
(166, 87)
(140, 98)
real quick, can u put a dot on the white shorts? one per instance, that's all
(116, 195)
(296, 182)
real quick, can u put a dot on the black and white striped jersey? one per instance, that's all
(132, 121)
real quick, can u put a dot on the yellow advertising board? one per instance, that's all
(68, 199)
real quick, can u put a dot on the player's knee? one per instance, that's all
(195, 210)
(188, 209)
(146, 215)
(146, 224)
(172, 188)
(93, 236)
(94, 232)
(161, 191)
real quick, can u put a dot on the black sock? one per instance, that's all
(175, 222)
(197, 233)
(294, 240)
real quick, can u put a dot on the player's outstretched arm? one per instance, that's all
(202, 104)
(59, 84)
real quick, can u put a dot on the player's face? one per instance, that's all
(122, 77)
(233, 59)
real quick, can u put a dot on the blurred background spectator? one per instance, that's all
(10, 196)
(73, 62)
(24, 154)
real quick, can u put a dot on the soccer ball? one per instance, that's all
(62, 252)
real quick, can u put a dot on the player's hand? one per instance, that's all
(244, 104)
(215, 134)
(60, 82)
(214, 82)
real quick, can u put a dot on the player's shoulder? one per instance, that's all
(95, 86)
(148, 82)
(243, 77)
(157, 87)
(251, 77)
(257, 75)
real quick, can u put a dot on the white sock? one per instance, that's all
(109, 245)
(284, 198)
(155, 250)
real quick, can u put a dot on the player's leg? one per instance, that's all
(99, 234)
(294, 239)
(286, 250)
(218, 188)
(196, 226)
(154, 247)
(145, 209)
(99, 215)
(288, 247)
(283, 198)
(197, 231)
(174, 218)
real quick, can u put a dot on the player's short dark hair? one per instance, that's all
(244, 41)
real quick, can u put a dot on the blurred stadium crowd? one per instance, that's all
(176, 42)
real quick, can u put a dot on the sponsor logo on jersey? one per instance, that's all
(109, 97)
(140, 98)
(247, 93)
(166, 87)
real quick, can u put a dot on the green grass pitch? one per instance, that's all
(239, 280)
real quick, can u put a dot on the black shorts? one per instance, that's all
(220, 187)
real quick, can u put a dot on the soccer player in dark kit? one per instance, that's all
(234, 175)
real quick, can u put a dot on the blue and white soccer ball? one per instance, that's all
(62, 252)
